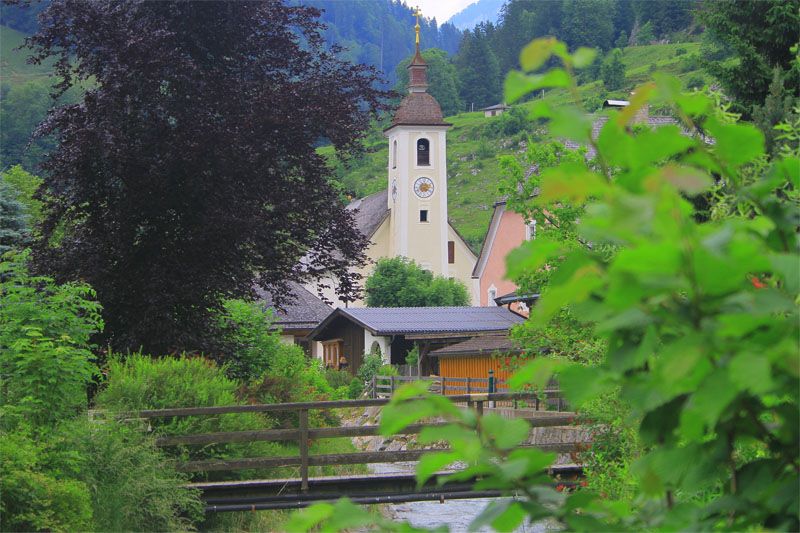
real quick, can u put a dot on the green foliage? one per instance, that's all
(615, 447)
(337, 378)
(588, 23)
(510, 123)
(34, 497)
(700, 320)
(443, 80)
(760, 34)
(478, 69)
(622, 40)
(355, 389)
(777, 109)
(134, 487)
(252, 343)
(45, 357)
(412, 357)
(400, 282)
(612, 71)
(25, 185)
(22, 108)
(140, 382)
(370, 367)
(14, 231)
(645, 34)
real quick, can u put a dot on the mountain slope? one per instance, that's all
(475, 13)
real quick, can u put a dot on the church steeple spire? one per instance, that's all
(417, 70)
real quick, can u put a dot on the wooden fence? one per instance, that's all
(549, 399)
(303, 433)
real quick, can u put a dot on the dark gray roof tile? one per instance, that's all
(370, 212)
(305, 311)
(405, 320)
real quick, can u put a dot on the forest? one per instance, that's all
(133, 238)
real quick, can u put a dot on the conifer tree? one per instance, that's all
(13, 221)
(613, 70)
(478, 69)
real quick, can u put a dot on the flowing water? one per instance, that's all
(455, 514)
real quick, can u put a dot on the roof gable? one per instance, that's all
(488, 240)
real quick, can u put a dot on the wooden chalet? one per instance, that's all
(347, 333)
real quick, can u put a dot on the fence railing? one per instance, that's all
(303, 434)
(548, 399)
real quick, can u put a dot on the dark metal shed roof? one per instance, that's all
(486, 345)
(419, 320)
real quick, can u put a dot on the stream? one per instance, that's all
(455, 514)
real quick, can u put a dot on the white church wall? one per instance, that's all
(464, 263)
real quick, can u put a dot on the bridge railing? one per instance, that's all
(303, 434)
(548, 399)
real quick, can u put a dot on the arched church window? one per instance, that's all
(394, 154)
(423, 152)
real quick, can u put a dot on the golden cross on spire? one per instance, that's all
(418, 14)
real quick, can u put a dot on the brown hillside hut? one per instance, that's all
(350, 332)
(474, 358)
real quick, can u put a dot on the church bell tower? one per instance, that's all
(418, 173)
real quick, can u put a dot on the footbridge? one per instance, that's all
(267, 494)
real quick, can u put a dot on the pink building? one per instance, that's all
(507, 230)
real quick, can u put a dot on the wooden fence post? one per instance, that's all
(469, 390)
(444, 379)
(303, 414)
(480, 407)
(391, 386)
(374, 387)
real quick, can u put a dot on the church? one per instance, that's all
(409, 218)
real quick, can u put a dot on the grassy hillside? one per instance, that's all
(14, 69)
(474, 145)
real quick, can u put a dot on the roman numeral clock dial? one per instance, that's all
(423, 187)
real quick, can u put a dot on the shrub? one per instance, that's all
(338, 378)
(412, 357)
(251, 342)
(370, 367)
(33, 498)
(512, 122)
(680, 51)
(142, 382)
(695, 81)
(355, 389)
(134, 486)
(45, 361)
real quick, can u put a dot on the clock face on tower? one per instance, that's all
(423, 187)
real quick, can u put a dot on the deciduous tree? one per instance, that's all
(188, 171)
(400, 282)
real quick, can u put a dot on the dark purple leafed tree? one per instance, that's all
(188, 172)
